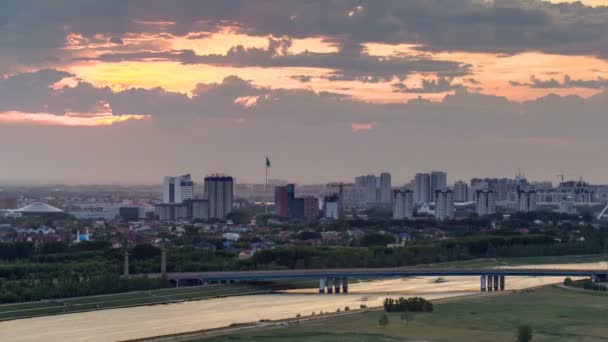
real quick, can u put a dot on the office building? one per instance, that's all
(284, 197)
(219, 191)
(311, 207)
(173, 211)
(198, 209)
(422, 188)
(177, 189)
(461, 191)
(486, 202)
(567, 206)
(444, 204)
(287, 205)
(403, 204)
(526, 200)
(439, 181)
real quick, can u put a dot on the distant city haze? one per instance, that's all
(126, 93)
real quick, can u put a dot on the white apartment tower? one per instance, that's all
(177, 189)
(444, 204)
(403, 204)
(486, 202)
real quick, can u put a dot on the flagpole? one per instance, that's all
(266, 187)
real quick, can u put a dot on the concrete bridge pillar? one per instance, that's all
(330, 285)
(483, 283)
(502, 283)
(496, 285)
(489, 282)
(163, 262)
(322, 285)
(125, 266)
(337, 284)
(345, 285)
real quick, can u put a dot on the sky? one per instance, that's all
(127, 91)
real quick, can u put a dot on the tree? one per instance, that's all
(406, 316)
(240, 216)
(383, 322)
(524, 333)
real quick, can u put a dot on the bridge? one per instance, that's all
(336, 280)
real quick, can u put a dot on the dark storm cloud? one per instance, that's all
(567, 82)
(439, 85)
(461, 114)
(350, 63)
(504, 26)
(29, 91)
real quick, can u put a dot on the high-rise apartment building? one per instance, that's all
(461, 191)
(439, 180)
(386, 192)
(526, 200)
(403, 204)
(486, 202)
(376, 191)
(371, 190)
(422, 188)
(219, 190)
(444, 204)
(177, 189)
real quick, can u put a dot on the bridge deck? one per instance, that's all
(380, 273)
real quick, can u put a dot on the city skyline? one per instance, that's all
(124, 92)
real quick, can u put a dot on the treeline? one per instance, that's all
(586, 284)
(25, 250)
(33, 289)
(424, 253)
(413, 304)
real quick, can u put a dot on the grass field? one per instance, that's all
(555, 314)
(61, 306)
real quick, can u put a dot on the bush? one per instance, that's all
(414, 304)
(524, 333)
(568, 281)
(383, 321)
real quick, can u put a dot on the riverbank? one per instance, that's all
(554, 313)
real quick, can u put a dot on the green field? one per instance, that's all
(555, 314)
(62, 306)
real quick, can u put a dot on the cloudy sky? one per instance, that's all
(119, 91)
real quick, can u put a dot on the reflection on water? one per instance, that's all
(129, 323)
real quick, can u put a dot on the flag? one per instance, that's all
(267, 162)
